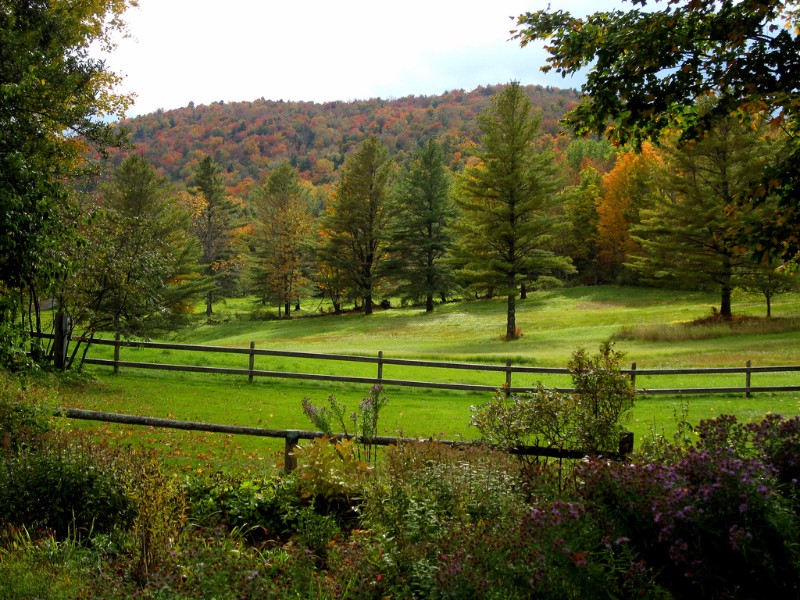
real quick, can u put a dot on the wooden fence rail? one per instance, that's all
(508, 370)
(291, 437)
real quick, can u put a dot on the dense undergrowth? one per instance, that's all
(714, 518)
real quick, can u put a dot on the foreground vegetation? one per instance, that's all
(711, 515)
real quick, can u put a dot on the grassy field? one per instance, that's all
(652, 327)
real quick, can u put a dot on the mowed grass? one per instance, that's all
(650, 327)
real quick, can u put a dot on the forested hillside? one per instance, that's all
(250, 138)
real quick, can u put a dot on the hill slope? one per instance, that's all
(249, 138)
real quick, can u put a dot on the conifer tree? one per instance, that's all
(355, 226)
(507, 201)
(214, 217)
(421, 233)
(692, 236)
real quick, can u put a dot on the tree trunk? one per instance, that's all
(368, 304)
(429, 303)
(523, 291)
(511, 321)
(287, 308)
(725, 302)
(209, 310)
(769, 305)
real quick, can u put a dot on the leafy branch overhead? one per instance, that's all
(649, 68)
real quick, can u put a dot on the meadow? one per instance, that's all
(654, 328)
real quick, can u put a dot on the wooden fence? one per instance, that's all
(291, 437)
(504, 381)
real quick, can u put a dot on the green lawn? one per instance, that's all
(554, 324)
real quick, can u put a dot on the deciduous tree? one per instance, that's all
(628, 188)
(280, 236)
(55, 99)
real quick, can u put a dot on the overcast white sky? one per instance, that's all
(233, 50)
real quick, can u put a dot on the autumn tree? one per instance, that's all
(649, 66)
(213, 219)
(356, 222)
(628, 188)
(691, 236)
(280, 236)
(131, 258)
(507, 203)
(768, 279)
(55, 100)
(421, 232)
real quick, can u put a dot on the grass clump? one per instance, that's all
(706, 329)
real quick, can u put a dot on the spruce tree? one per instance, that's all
(421, 233)
(355, 226)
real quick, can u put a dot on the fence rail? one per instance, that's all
(380, 361)
(291, 437)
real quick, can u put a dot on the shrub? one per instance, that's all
(260, 507)
(711, 524)
(69, 488)
(23, 419)
(589, 419)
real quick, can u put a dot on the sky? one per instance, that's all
(203, 51)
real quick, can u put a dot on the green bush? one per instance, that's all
(66, 489)
(589, 419)
(23, 419)
(261, 507)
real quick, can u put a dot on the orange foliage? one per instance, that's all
(624, 189)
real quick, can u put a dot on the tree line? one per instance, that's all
(524, 211)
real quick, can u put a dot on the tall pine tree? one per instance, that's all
(214, 216)
(355, 226)
(421, 232)
(507, 201)
(693, 234)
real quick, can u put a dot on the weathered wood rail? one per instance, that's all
(291, 437)
(380, 361)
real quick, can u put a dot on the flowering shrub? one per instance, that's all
(711, 524)
(364, 420)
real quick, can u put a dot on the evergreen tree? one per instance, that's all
(355, 226)
(692, 235)
(213, 220)
(507, 203)
(421, 234)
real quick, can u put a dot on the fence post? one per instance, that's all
(508, 377)
(289, 459)
(252, 362)
(116, 352)
(633, 375)
(380, 366)
(747, 380)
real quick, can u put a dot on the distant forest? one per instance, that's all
(250, 139)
